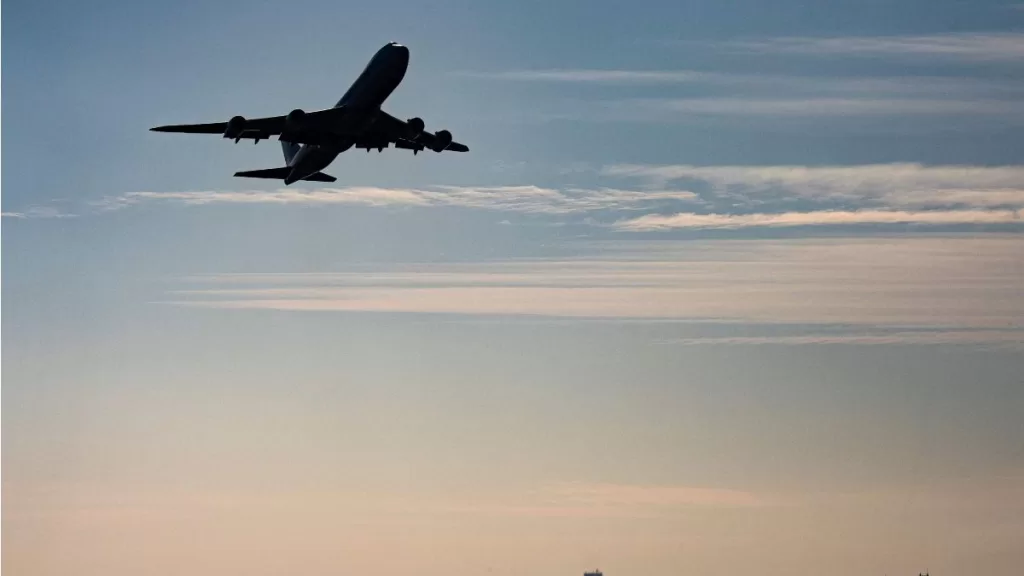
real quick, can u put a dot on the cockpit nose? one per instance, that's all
(398, 51)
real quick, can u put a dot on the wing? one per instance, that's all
(390, 130)
(324, 127)
(431, 140)
(212, 128)
(242, 127)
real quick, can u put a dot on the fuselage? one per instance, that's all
(363, 100)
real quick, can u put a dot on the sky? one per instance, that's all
(721, 287)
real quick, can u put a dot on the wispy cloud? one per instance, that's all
(38, 212)
(604, 500)
(601, 494)
(743, 94)
(935, 85)
(778, 96)
(934, 281)
(1006, 47)
(809, 107)
(601, 76)
(897, 185)
(882, 193)
(1000, 338)
(527, 199)
(368, 196)
(85, 503)
(665, 197)
(652, 222)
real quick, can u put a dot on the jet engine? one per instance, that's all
(235, 127)
(443, 139)
(294, 119)
(416, 126)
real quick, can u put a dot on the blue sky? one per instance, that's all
(720, 287)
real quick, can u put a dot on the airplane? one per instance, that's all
(312, 140)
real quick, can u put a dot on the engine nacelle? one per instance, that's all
(443, 139)
(235, 127)
(295, 119)
(416, 126)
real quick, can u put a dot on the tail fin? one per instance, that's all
(290, 150)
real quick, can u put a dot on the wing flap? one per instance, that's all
(407, 145)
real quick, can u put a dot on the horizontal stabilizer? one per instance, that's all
(282, 173)
(320, 177)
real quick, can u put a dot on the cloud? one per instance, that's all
(983, 198)
(873, 193)
(600, 76)
(948, 282)
(664, 197)
(83, 503)
(527, 199)
(38, 212)
(600, 494)
(896, 185)
(788, 95)
(1013, 339)
(368, 196)
(1005, 47)
(805, 107)
(652, 222)
(605, 500)
(936, 85)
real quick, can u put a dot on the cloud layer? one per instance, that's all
(695, 197)
(802, 106)
(653, 222)
(936, 282)
(815, 96)
(898, 184)
(1010, 339)
(589, 75)
(651, 198)
(38, 212)
(861, 85)
(899, 193)
(526, 199)
(989, 46)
